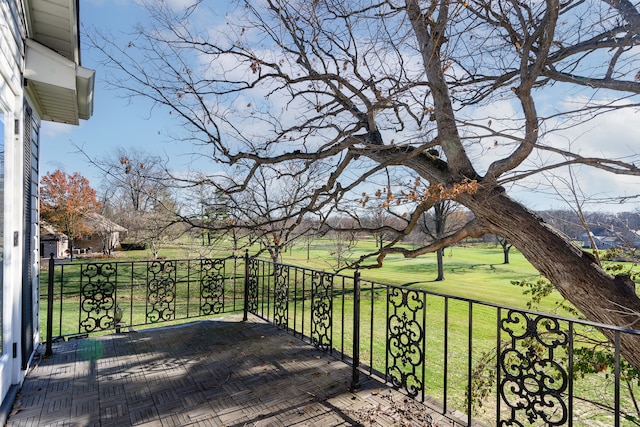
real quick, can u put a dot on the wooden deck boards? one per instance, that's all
(222, 372)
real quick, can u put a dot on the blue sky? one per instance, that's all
(120, 122)
(116, 122)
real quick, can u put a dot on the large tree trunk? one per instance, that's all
(440, 256)
(575, 274)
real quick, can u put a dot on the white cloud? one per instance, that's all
(610, 136)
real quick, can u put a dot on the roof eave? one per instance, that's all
(59, 86)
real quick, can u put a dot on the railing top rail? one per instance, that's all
(147, 261)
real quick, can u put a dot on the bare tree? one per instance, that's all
(209, 212)
(575, 198)
(160, 224)
(377, 220)
(506, 247)
(435, 224)
(268, 208)
(363, 87)
(134, 176)
(136, 194)
(564, 220)
(343, 240)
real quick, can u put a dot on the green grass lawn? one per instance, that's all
(475, 272)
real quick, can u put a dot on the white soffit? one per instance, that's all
(58, 85)
(62, 90)
(54, 23)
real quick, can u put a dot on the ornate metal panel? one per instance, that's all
(532, 380)
(405, 346)
(321, 309)
(252, 286)
(161, 291)
(97, 296)
(281, 296)
(211, 286)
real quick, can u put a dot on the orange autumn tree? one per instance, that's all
(65, 200)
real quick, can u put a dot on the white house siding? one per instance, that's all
(20, 118)
(11, 106)
(11, 46)
(19, 226)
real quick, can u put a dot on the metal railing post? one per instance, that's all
(245, 315)
(49, 349)
(355, 372)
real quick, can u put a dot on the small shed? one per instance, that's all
(52, 242)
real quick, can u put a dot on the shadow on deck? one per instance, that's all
(221, 372)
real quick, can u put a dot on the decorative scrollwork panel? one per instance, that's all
(97, 296)
(405, 340)
(321, 309)
(533, 382)
(252, 286)
(161, 291)
(212, 286)
(281, 296)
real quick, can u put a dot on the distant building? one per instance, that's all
(601, 242)
(104, 237)
(606, 242)
(52, 242)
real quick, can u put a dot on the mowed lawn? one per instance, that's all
(476, 271)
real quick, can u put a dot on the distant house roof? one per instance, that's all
(96, 222)
(100, 224)
(48, 232)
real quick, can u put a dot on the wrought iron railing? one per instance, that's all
(475, 361)
(99, 296)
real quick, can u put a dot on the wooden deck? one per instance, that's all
(222, 372)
